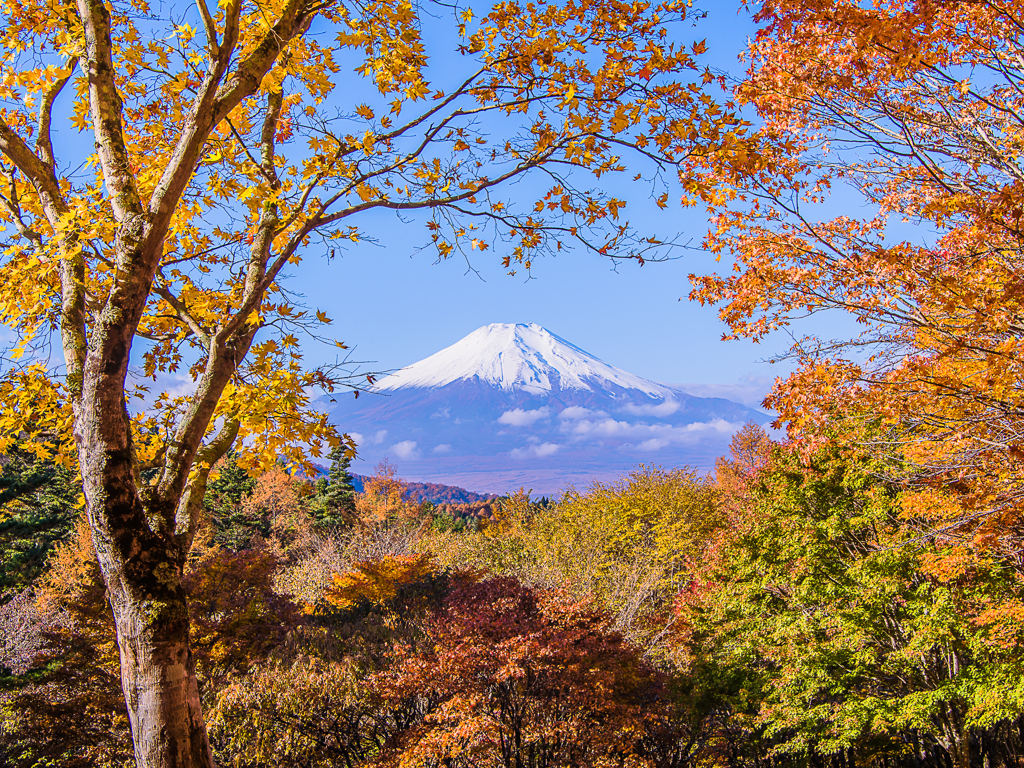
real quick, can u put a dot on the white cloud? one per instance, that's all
(405, 449)
(666, 408)
(441, 448)
(579, 412)
(535, 451)
(442, 413)
(521, 418)
(376, 439)
(610, 428)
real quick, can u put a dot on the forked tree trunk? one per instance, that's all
(141, 551)
(158, 676)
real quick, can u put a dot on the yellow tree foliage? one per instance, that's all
(378, 581)
(628, 543)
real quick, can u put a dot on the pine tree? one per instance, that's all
(223, 501)
(39, 507)
(334, 501)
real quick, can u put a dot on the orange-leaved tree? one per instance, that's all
(221, 145)
(913, 112)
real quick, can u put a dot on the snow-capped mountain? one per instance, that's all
(514, 405)
(524, 357)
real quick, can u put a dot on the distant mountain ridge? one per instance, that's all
(514, 405)
(437, 493)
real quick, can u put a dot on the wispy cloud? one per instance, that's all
(535, 451)
(749, 390)
(441, 448)
(521, 418)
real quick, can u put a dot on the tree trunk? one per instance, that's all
(957, 738)
(159, 681)
(141, 551)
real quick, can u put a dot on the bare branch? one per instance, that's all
(44, 141)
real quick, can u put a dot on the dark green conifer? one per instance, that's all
(224, 494)
(40, 505)
(334, 500)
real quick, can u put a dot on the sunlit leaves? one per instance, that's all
(886, 103)
(336, 123)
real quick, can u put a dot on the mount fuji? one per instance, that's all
(513, 406)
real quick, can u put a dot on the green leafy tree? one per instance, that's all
(835, 629)
(334, 500)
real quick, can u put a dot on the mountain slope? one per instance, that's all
(516, 405)
(520, 357)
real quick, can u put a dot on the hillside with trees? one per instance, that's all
(437, 493)
(786, 612)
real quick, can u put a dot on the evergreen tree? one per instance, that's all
(334, 501)
(40, 505)
(223, 501)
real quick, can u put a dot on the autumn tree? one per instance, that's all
(913, 109)
(220, 147)
(735, 474)
(512, 676)
(276, 510)
(384, 497)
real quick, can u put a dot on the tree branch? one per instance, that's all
(182, 313)
(106, 108)
(187, 513)
(44, 142)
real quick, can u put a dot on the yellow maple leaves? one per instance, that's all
(378, 581)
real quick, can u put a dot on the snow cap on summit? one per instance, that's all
(519, 357)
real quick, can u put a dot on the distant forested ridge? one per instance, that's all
(436, 493)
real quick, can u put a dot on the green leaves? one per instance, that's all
(819, 596)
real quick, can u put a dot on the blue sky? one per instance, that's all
(396, 304)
